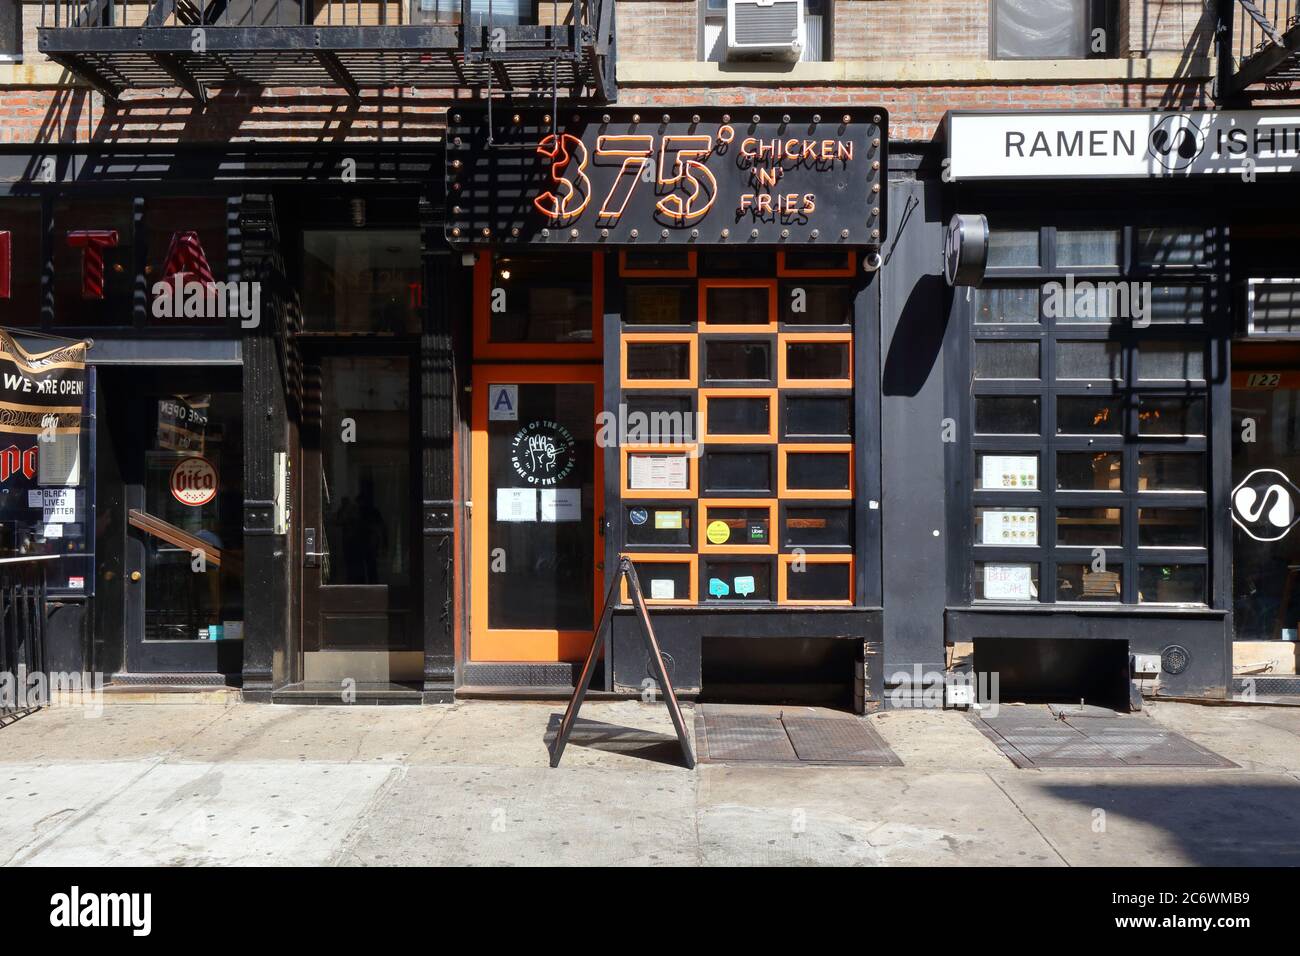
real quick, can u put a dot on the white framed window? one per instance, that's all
(1053, 29)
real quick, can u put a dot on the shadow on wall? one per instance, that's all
(1209, 822)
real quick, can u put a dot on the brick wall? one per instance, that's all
(657, 29)
(916, 111)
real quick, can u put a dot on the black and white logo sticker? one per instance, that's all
(1176, 141)
(542, 452)
(1264, 504)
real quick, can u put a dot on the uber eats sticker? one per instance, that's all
(543, 452)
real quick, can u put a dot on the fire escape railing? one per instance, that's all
(23, 608)
(511, 47)
(1258, 45)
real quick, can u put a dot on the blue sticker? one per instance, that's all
(718, 587)
(638, 516)
(745, 585)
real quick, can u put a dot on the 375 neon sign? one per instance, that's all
(685, 186)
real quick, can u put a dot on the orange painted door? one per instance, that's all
(538, 512)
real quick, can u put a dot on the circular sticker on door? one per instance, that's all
(638, 516)
(194, 481)
(719, 532)
(542, 452)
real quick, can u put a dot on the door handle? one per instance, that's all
(310, 556)
(135, 575)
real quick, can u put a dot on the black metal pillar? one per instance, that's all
(267, 622)
(443, 300)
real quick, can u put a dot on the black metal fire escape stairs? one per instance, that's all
(450, 46)
(1258, 49)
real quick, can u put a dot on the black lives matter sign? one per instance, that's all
(645, 177)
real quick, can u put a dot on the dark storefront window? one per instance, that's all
(1090, 415)
(765, 360)
(20, 250)
(362, 280)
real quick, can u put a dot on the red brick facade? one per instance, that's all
(949, 37)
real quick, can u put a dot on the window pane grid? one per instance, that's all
(1141, 410)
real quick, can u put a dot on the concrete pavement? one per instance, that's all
(470, 783)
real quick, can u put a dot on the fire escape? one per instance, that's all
(1258, 46)
(494, 47)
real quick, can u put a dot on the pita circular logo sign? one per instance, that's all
(194, 481)
(1176, 141)
(542, 452)
(1264, 504)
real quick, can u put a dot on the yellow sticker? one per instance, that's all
(719, 532)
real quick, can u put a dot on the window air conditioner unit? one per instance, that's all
(765, 30)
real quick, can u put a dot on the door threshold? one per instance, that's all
(324, 693)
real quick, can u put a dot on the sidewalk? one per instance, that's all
(470, 783)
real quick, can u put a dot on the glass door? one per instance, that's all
(184, 520)
(359, 537)
(537, 512)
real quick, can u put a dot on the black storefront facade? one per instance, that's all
(1129, 346)
(434, 442)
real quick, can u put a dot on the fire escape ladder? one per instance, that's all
(1274, 48)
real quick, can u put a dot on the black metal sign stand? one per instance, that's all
(626, 572)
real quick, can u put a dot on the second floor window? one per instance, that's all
(11, 31)
(1053, 29)
(713, 31)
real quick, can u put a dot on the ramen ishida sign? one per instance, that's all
(194, 481)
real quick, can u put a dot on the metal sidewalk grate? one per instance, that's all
(1034, 741)
(779, 737)
(847, 740)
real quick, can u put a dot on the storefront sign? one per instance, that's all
(194, 481)
(1121, 144)
(703, 176)
(1264, 505)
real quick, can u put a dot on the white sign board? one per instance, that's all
(1010, 527)
(516, 504)
(1008, 582)
(561, 504)
(1010, 473)
(669, 472)
(1132, 144)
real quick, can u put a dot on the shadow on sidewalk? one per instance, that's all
(611, 738)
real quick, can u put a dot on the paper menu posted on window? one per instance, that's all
(658, 471)
(516, 504)
(58, 462)
(662, 589)
(1008, 582)
(561, 504)
(59, 505)
(1018, 472)
(1010, 527)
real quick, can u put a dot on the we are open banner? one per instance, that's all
(41, 396)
